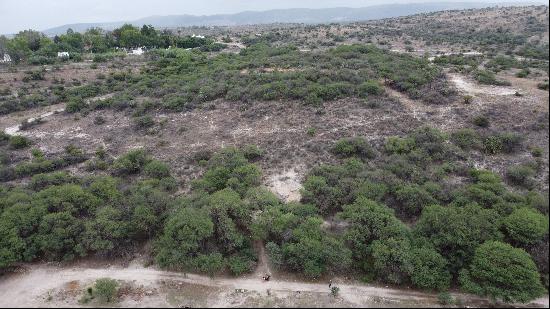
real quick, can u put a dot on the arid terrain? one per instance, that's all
(489, 111)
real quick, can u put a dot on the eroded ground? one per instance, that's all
(282, 129)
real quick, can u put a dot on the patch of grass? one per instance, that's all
(19, 142)
(481, 121)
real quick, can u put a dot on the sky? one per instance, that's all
(16, 15)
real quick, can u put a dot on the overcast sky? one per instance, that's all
(16, 15)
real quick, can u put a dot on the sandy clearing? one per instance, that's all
(471, 87)
(286, 185)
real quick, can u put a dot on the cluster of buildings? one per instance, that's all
(5, 59)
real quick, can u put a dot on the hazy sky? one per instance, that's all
(16, 15)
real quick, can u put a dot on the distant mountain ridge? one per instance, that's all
(305, 16)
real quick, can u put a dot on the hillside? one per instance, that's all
(306, 16)
(397, 162)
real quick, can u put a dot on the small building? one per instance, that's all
(137, 51)
(198, 36)
(5, 59)
(63, 55)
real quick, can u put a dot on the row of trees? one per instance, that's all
(37, 48)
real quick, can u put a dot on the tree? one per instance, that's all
(18, 224)
(391, 260)
(317, 191)
(184, 236)
(210, 263)
(131, 163)
(60, 236)
(525, 226)
(68, 198)
(502, 272)
(456, 232)
(227, 210)
(429, 269)
(312, 251)
(106, 231)
(413, 199)
(370, 221)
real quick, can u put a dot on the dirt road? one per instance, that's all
(41, 286)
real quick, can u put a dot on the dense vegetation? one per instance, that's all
(407, 210)
(34, 47)
(393, 214)
(181, 80)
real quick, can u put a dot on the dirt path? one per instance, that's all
(471, 87)
(35, 287)
(263, 261)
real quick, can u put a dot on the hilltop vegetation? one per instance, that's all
(34, 47)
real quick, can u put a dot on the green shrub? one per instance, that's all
(391, 260)
(275, 255)
(131, 163)
(510, 141)
(105, 290)
(370, 87)
(42, 181)
(502, 272)
(413, 199)
(144, 122)
(99, 120)
(502, 143)
(456, 232)
(489, 78)
(156, 169)
(445, 299)
(19, 142)
(400, 145)
(523, 73)
(354, 147)
(4, 137)
(75, 105)
(481, 121)
(429, 269)
(525, 226)
(466, 139)
(537, 152)
(210, 264)
(239, 264)
(252, 152)
(520, 175)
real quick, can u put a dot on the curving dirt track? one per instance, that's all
(41, 285)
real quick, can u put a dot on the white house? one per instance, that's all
(137, 51)
(198, 36)
(63, 55)
(5, 59)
